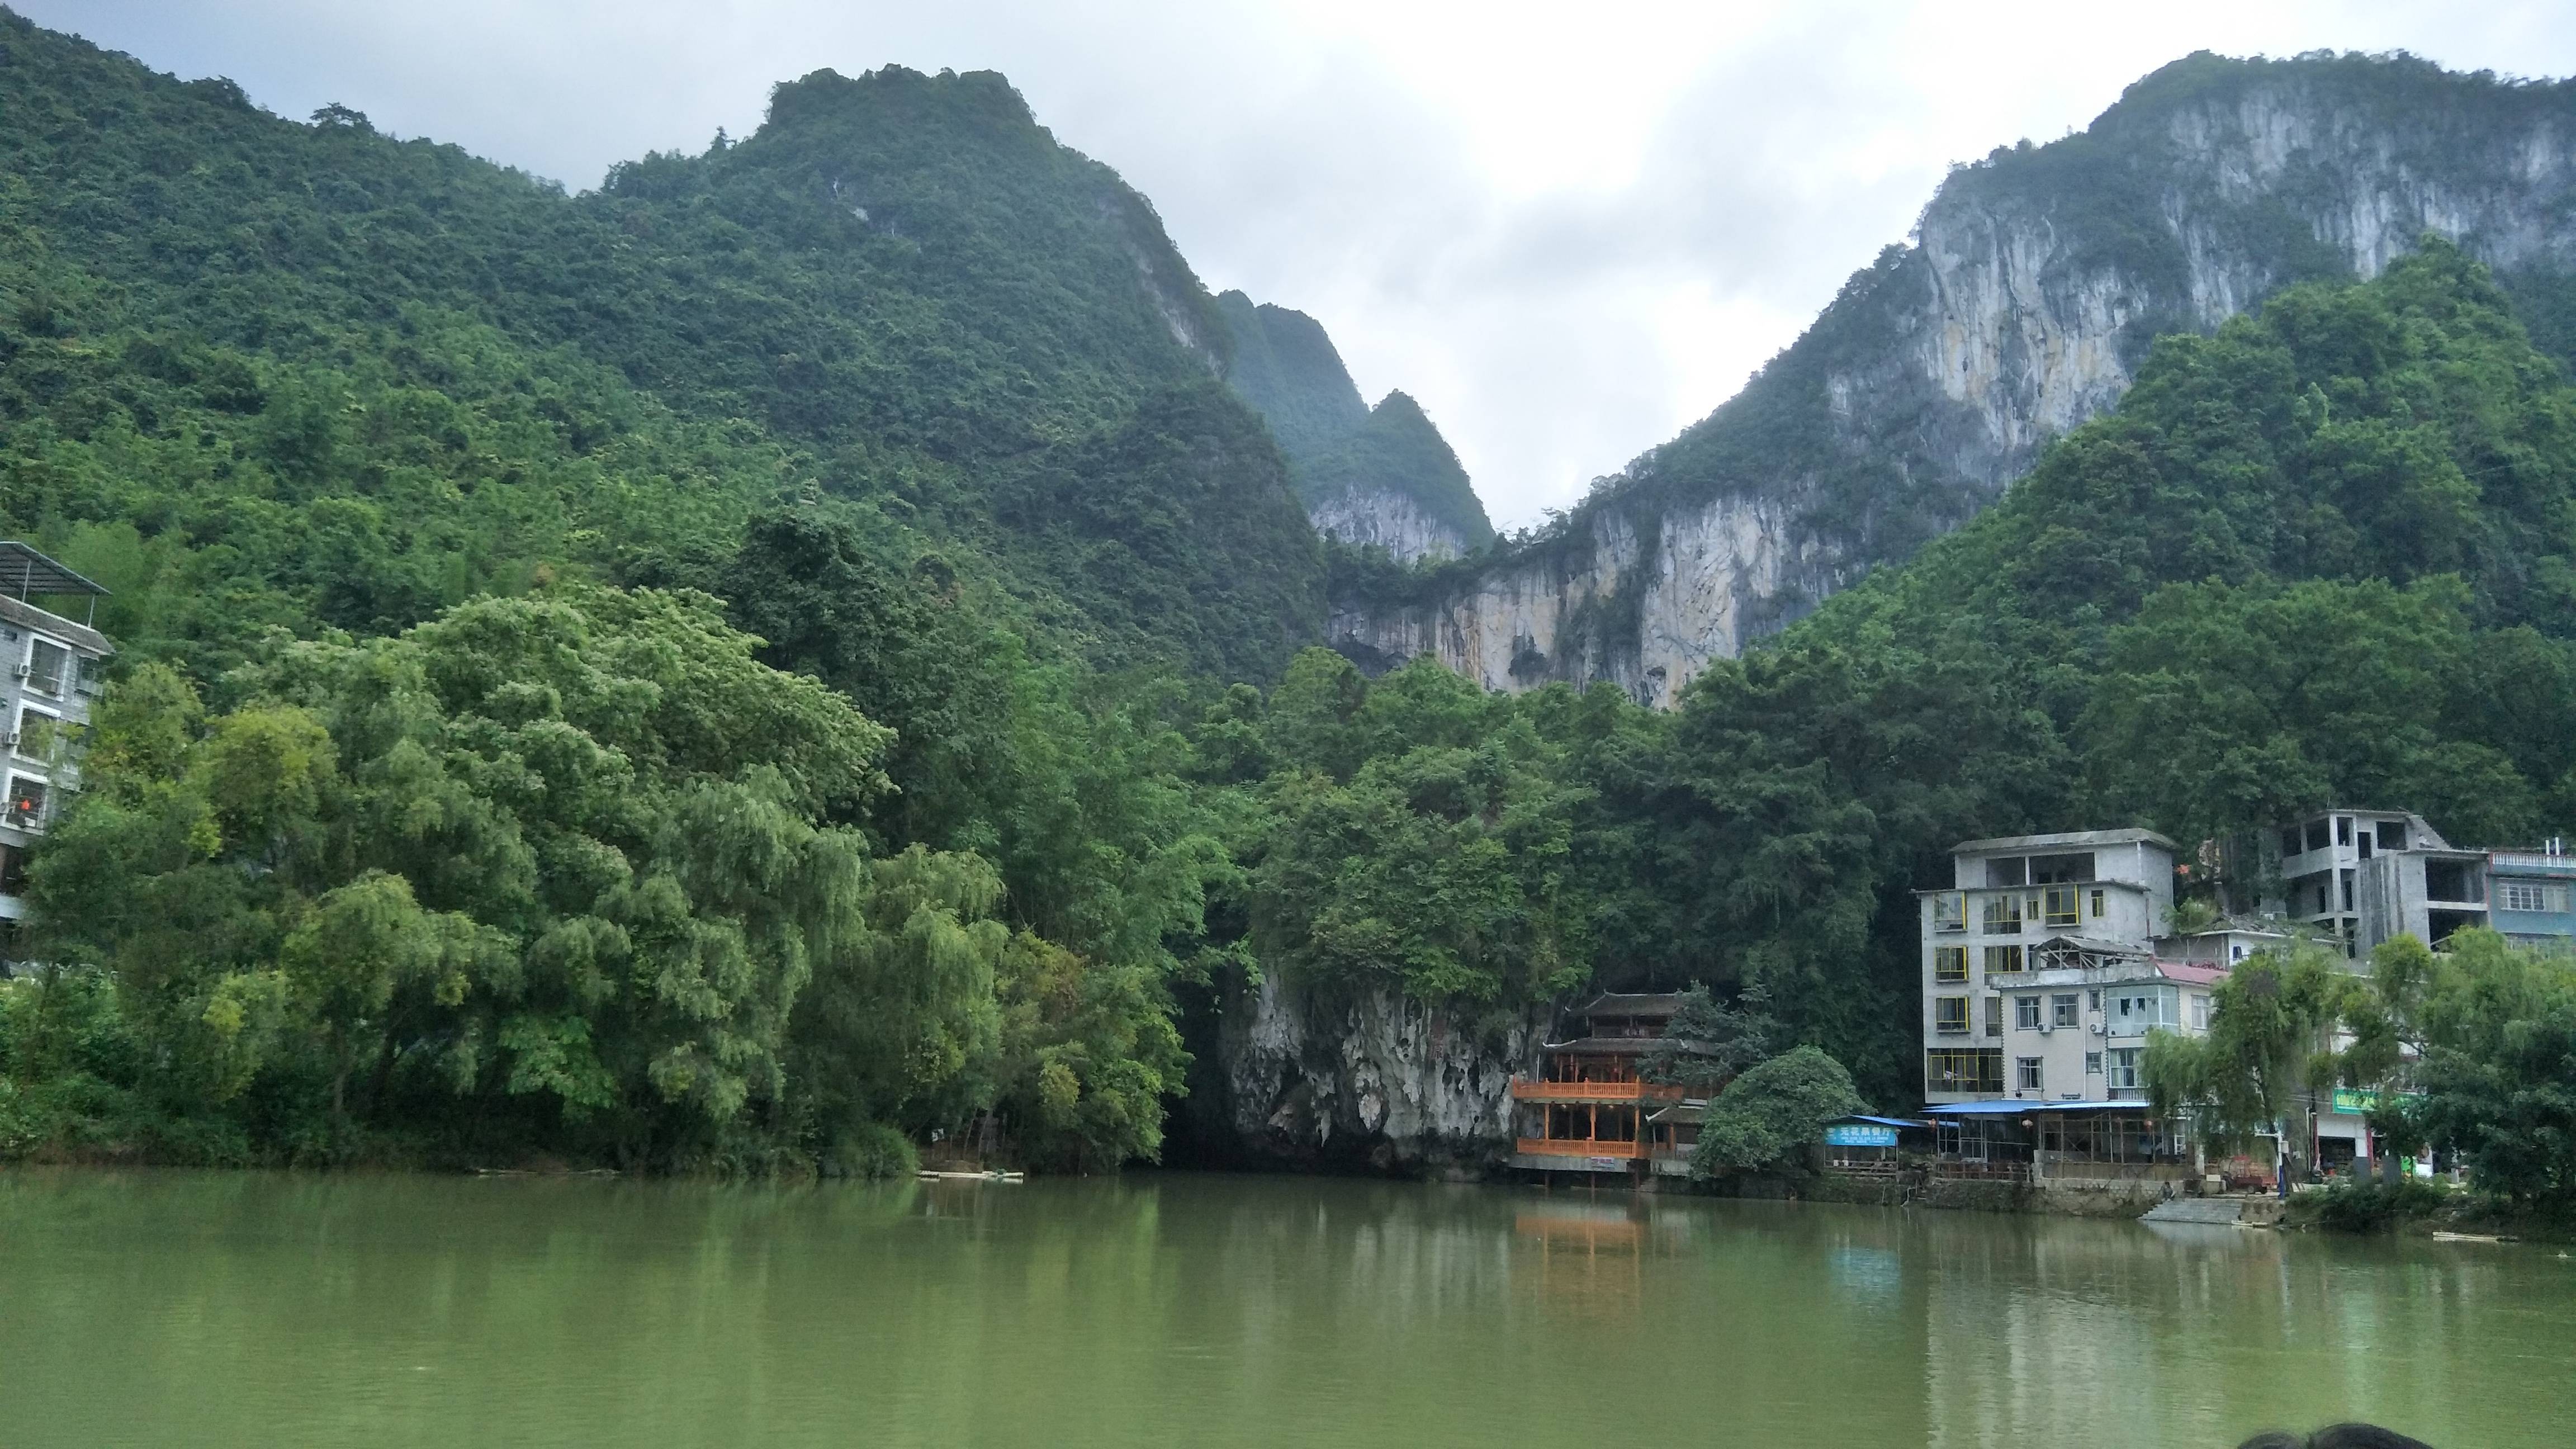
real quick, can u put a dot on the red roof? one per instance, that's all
(2192, 973)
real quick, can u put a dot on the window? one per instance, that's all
(2099, 904)
(2123, 1068)
(2290, 841)
(2093, 1000)
(2025, 1013)
(2026, 1075)
(2450, 880)
(1949, 963)
(2531, 895)
(2347, 890)
(1994, 1016)
(1950, 1013)
(2316, 835)
(1949, 912)
(45, 737)
(2343, 830)
(2392, 835)
(2010, 870)
(2003, 916)
(26, 806)
(36, 734)
(2092, 1064)
(2199, 1012)
(2061, 906)
(2062, 1010)
(1963, 1069)
(13, 871)
(2002, 960)
(45, 663)
(2132, 1015)
(2061, 869)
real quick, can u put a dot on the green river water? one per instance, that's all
(1185, 1309)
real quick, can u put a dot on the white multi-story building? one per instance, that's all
(2040, 971)
(55, 668)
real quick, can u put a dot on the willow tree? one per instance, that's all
(2269, 1050)
(556, 871)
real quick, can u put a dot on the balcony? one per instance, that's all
(1577, 1147)
(1526, 1090)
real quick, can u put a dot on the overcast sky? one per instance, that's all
(1568, 230)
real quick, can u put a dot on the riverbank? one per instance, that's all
(2423, 1209)
(71, 1137)
(2416, 1209)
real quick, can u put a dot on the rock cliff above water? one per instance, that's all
(1373, 1080)
(2033, 284)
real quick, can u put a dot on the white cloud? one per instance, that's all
(1569, 231)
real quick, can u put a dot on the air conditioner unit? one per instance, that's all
(2097, 1028)
(22, 670)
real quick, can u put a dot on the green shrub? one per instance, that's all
(2371, 1207)
(872, 1150)
(1772, 1116)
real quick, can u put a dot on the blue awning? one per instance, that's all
(2001, 1109)
(1884, 1121)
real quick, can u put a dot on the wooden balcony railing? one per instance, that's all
(1523, 1089)
(1576, 1147)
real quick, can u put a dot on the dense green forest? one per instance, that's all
(922, 397)
(798, 651)
(900, 292)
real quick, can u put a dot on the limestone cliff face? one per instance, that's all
(1375, 1081)
(2034, 283)
(1643, 597)
(1375, 517)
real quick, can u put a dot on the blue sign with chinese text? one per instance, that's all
(1859, 1134)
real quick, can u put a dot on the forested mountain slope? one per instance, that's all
(900, 293)
(2034, 282)
(380, 446)
(1378, 477)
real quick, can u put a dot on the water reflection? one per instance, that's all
(241, 1308)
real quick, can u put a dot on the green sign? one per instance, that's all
(2361, 1099)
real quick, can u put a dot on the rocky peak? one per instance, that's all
(1373, 477)
(2033, 285)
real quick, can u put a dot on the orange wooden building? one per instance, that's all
(1587, 1110)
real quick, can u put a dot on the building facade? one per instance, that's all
(2048, 960)
(56, 665)
(2040, 979)
(2531, 896)
(1587, 1109)
(2363, 877)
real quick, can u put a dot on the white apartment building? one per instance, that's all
(2040, 974)
(55, 669)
